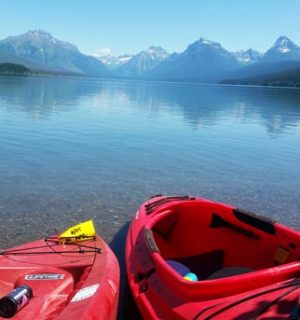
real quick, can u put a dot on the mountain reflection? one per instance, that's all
(44, 95)
(200, 105)
(206, 105)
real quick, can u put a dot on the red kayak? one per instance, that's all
(191, 258)
(67, 280)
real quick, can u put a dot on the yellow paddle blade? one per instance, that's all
(80, 232)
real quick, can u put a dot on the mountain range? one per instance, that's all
(142, 63)
(40, 51)
(113, 62)
(202, 61)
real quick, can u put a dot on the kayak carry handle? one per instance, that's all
(151, 241)
(150, 207)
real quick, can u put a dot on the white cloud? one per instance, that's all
(102, 52)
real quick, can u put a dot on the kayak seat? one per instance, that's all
(204, 273)
(229, 272)
(204, 264)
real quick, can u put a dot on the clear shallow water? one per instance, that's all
(73, 148)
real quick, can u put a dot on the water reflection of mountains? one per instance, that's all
(206, 105)
(45, 94)
(201, 105)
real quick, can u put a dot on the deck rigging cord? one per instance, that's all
(26, 251)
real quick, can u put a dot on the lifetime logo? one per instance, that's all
(45, 276)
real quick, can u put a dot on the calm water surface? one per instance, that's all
(73, 149)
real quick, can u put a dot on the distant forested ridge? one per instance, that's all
(287, 78)
(13, 68)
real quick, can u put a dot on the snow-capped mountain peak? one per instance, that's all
(247, 56)
(40, 39)
(156, 53)
(283, 49)
(42, 36)
(142, 62)
(203, 45)
(206, 41)
(283, 44)
(113, 62)
(153, 49)
(39, 33)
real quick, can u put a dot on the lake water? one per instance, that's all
(76, 148)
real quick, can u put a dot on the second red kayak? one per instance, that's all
(192, 258)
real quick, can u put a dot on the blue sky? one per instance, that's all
(130, 26)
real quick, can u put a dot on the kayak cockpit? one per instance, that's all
(215, 241)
